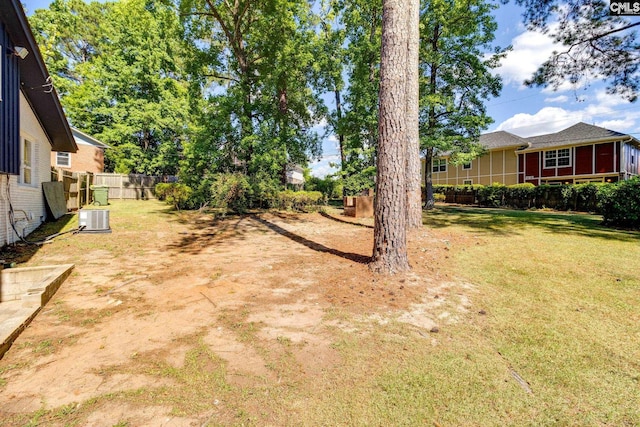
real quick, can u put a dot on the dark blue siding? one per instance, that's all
(9, 108)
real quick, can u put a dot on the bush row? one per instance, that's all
(578, 197)
(237, 193)
(619, 203)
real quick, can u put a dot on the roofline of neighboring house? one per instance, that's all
(35, 79)
(95, 142)
(579, 143)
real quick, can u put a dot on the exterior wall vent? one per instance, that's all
(94, 221)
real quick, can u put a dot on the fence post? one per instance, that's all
(87, 188)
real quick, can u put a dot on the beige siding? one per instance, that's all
(496, 166)
(497, 162)
(27, 200)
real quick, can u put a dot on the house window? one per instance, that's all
(439, 165)
(633, 159)
(557, 158)
(63, 160)
(26, 171)
(467, 182)
(466, 166)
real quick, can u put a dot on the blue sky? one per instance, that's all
(521, 110)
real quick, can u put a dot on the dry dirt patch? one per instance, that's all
(258, 294)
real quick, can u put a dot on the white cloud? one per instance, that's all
(559, 99)
(320, 126)
(323, 168)
(547, 120)
(530, 50)
(610, 100)
(624, 125)
(604, 111)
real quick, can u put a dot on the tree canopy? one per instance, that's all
(596, 45)
(121, 76)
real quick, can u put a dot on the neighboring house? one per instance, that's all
(295, 175)
(499, 164)
(32, 123)
(88, 158)
(580, 153)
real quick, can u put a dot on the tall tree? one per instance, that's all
(414, 192)
(361, 23)
(254, 61)
(597, 45)
(456, 79)
(390, 242)
(123, 81)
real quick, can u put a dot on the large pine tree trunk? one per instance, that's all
(390, 235)
(414, 193)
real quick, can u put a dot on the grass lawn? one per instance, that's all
(554, 339)
(562, 301)
(550, 334)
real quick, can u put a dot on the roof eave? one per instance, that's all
(34, 78)
(579, 143)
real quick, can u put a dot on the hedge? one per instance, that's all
(299, 200)
(620, 203)
(587, 197)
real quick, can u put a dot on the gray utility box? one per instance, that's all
(94, 221)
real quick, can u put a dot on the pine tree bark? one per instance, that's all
(414, 192)
(390, 234)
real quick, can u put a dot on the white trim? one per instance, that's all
(63, 154)
(24, 167)
(556, 158)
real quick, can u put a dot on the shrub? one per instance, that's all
(492, 195)
(520, 195)
(231, 191)
(298, 200)
(264, 190)
(439, 197)
(177, 195)
(620, 203)
(586, 196)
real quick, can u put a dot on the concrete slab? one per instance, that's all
(23, 292)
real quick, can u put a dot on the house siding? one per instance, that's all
(630, 160)
(88, 158)
(604, 158)
(595, 162)
(583, 160)
(9, 110)
(27, 201)
(495, 166)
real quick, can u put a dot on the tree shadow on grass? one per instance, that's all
(218, 231)
(506, 222)
(333, 218)
(362, 259)
(21, 252)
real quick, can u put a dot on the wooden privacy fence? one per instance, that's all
(132, 186)
(77, 187)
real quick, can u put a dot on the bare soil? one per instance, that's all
(247, 289)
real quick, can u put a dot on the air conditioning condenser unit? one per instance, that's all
(94, 221)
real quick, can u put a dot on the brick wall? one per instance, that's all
(87, 159)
